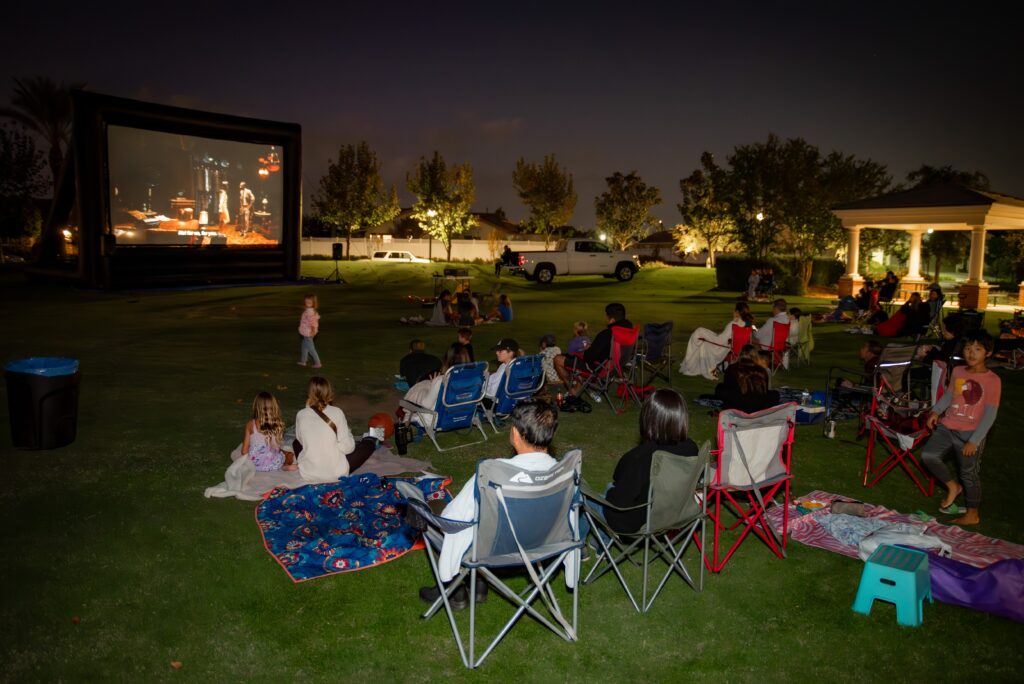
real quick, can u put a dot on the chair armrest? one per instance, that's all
(415, 499)
(592, 494)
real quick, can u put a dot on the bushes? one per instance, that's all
(732, 271)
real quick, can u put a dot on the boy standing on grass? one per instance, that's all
(964, 415)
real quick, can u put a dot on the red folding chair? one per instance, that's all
(899, 427)
(778, 346)
(754, 453)
(740, 338)
(617, 369)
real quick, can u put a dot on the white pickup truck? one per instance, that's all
(578, 256)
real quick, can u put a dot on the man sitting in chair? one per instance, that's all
(533, 427)
(598, 351)
(766, 332)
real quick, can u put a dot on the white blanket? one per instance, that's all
(243, 482)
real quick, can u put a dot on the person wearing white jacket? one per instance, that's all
(328, 449)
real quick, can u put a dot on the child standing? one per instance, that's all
(264, 434)
(964, 414)
(309, 326)
(579, 343)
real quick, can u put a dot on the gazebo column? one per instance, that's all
(913, 282)
(974, 293)
(851, 282)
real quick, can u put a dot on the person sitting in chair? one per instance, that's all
(418, 364)
(598, 351)
(766, 333)
(533, 428)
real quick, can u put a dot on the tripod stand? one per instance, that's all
(335, 276)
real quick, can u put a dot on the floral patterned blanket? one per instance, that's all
(352, 524)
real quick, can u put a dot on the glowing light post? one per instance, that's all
(603, 237)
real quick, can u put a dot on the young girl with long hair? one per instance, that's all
(264, 436)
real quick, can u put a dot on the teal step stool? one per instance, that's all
(899, 576)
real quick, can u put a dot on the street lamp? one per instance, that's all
(603, 237)
(759, 217)
(430, 244)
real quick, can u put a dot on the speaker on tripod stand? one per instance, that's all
(337, 253)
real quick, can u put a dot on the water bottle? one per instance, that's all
(402, 438)
(595, 396)
(830, 429)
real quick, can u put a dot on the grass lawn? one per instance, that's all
(114, 529)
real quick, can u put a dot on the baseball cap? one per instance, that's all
(507, 344)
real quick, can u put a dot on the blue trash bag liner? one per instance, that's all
(45, 366)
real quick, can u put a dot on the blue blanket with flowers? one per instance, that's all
(352, 524)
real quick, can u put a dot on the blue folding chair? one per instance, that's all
(457, 403)
(524, 377)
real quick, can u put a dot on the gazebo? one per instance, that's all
(939, 207)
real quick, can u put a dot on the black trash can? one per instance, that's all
(42, 400)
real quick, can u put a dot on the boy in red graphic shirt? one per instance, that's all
(964, 414)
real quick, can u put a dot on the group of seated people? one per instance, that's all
(464, 309)
(706, 351)
(760, 283)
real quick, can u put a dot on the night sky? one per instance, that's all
(612, 87)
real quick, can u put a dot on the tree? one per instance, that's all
(623, 210)
(444, 198)
(547, 189)
(705, 215)
(21, 181)
(946, 244)
(352, 193)
(779, 195)
(44, 107)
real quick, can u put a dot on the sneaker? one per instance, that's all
(459, 599)
(318, 366)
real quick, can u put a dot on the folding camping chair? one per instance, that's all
(675, 508)
(897, 426)
(893, 370)
(526, 520)
(741, 335)
(619, 369)
(754, 453)
(778, 346)
(524, 376)
(655, 352)
(804, 342)
(457, 403)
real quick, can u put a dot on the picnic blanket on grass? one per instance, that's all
(352, 524)
(984, 573)
(242, 481)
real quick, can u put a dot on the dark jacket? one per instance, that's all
(601, 348)
(632, 480)
(417, 365)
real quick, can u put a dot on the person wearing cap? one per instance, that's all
(506, 350)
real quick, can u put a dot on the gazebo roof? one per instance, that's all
(942, 195)
(948, 206)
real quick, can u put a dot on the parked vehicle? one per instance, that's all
(578, 256)
(399, 257)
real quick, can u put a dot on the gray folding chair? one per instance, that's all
(675, 508)
(526, 519)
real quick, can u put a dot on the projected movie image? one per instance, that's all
(169, 189)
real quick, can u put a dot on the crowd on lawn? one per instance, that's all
(324, 448)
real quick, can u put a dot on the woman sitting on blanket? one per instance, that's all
(424, 393)
(706, 349)
(324, 446)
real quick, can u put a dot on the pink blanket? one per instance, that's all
(968, 547)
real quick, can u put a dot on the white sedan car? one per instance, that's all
(399, 257)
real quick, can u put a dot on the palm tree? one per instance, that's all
(43, 106)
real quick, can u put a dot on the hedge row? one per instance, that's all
(732, 272)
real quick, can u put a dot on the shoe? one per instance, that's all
(299, 363)
(584, 407)
(318, 366)
(459, 600)
(952, 509)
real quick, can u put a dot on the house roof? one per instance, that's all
(660, 237)
(941, 195)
